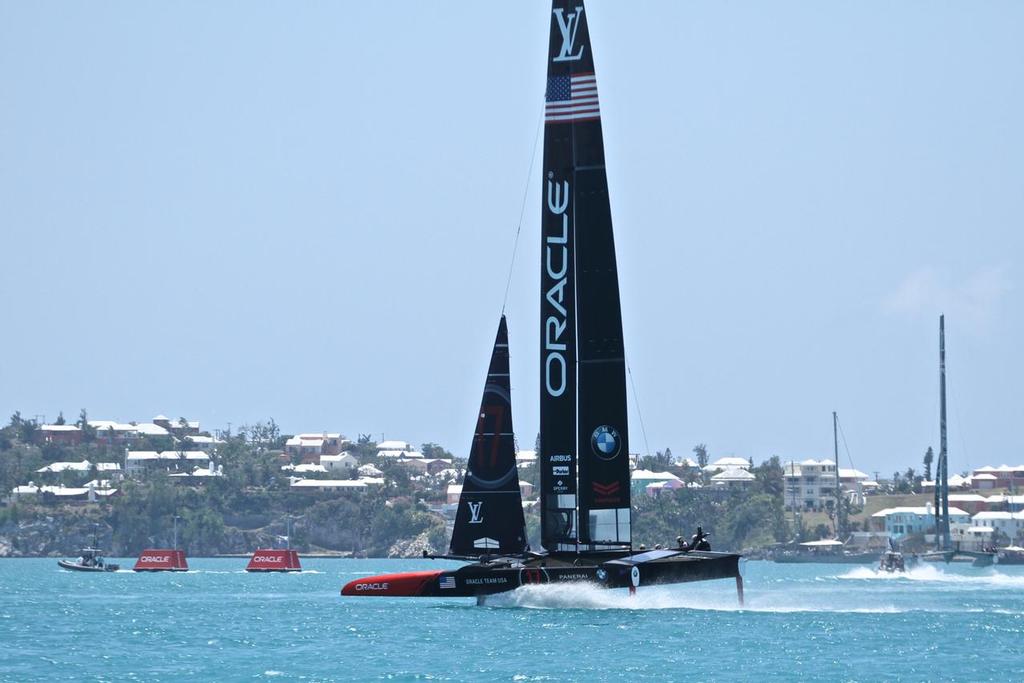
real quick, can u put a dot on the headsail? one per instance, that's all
(584, 437)
(490, 519)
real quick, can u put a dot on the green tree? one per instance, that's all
(88, 431)
(701, 451)
(432, 450)
(929, 456)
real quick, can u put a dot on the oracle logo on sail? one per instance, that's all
(556, 268)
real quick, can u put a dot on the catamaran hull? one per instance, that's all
(480, 579)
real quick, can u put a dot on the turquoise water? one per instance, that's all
(801, 622)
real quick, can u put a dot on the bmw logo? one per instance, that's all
(601, 575)
(605, 442)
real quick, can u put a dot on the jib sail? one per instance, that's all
(584, 436)
(489, 519)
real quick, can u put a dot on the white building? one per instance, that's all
(305, 468)
(810, 484)
(526, 459)
(310, 446)
(337, 485)
(1010, 524)
(342, 462)
(89, 493)
(369, 470)
(58, 467)
(392, 453)
(733, 478)
(393, 445)
(641, 479)
(725, 463)
(178, 461)
(904, 521)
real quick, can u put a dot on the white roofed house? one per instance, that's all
(691, 464)
(341, 462)
(127, 433)
(955, 482)
(732, 478)
(526, 459)
(641, 479)
(810, 484)
(334, 485)
(66, 434)
(369, 470)
(392, 445)
(92, 492)
(140, 462)
(308, 447)
(725, 463)
(1009, 525)
(114, 433)
(305, 468)
(984, 480)
(899, 522)
(179, 427)
(389, 453)
(1003, 476)
(60, 467)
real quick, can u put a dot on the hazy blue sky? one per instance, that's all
(231, 211)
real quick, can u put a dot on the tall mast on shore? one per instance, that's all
(942, 539)
(839, 484)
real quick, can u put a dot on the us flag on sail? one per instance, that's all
(571, 98)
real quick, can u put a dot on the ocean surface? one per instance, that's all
(218, 623)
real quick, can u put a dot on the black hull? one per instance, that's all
(605, 570)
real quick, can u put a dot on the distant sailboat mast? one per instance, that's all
(942, 536)
(839, 482)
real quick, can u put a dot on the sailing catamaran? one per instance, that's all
(584, 448)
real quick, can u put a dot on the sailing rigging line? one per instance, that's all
(636, 401)
(959, 425)
(845, 446)
(522, 210)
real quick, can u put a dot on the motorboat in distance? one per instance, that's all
(91, 560)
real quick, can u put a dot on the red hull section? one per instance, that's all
(161, 560)
(409, 584)
(265, 560)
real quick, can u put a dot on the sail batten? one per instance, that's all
(490, 510)
(584, 446)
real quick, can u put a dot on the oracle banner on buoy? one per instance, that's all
(269, 560)
(161, 560)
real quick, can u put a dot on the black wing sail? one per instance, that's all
(583, 383)
(489, 519)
